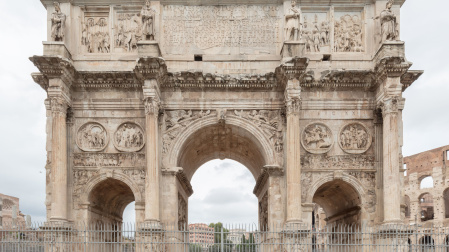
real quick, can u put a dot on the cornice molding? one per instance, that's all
(294, 69)
(40, 79)
(53, 67)
(408, 78)
(151, 68)
(391, 67)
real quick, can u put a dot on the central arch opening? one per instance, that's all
(222, 162)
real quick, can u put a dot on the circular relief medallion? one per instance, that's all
(317, 138)
(92, 136)
(129, 137)
(354, 138)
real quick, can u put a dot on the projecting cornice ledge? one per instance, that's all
(409, 77)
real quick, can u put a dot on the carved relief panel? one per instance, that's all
(348, 32)
(316, 32)
(127, 30)
(317, 138)
(354, 138)
(92, 136)
(95, 33)
(129, 137)
(216, 29)
(182, 213)
(263, 212)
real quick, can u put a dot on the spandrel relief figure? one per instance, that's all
(57, 23)
(148, 16)
(292, 23)
(388, 23)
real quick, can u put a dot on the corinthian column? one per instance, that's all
(391, 179)
(293, 140)
(59, 159)
(152, 105)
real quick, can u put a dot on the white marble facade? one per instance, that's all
(141, 94)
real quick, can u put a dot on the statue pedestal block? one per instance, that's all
(390, 49)
(293, 49)
(148, 48)
(56, 48)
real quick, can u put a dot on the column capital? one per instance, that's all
(152, 105)
(390, 105)
(59, 105)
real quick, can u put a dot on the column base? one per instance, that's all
(394, 236)
(150, 237)
(296, 236)
(59, 236)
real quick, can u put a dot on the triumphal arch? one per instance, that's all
(307, 95)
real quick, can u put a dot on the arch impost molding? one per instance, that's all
(181, 176)
(171, 159)
(267, 171)
(90, 185)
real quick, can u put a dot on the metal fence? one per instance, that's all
(229, 238)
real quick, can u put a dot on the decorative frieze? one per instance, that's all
(92, 136)
(317, 138)
(340, 162)
(109, 160)
(129, 137)
(354, 138)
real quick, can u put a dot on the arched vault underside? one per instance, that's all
(340, 201)
(108, 199)
(220, 141)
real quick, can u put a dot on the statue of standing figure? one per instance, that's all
(292, 23)
(148, 15)
(388, 23)
(57, 23)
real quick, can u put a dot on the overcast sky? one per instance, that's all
(223, 189)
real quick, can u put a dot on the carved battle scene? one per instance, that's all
(145, 93)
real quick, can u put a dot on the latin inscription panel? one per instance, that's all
(253, 29)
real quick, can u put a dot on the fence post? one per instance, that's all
(222, 245)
